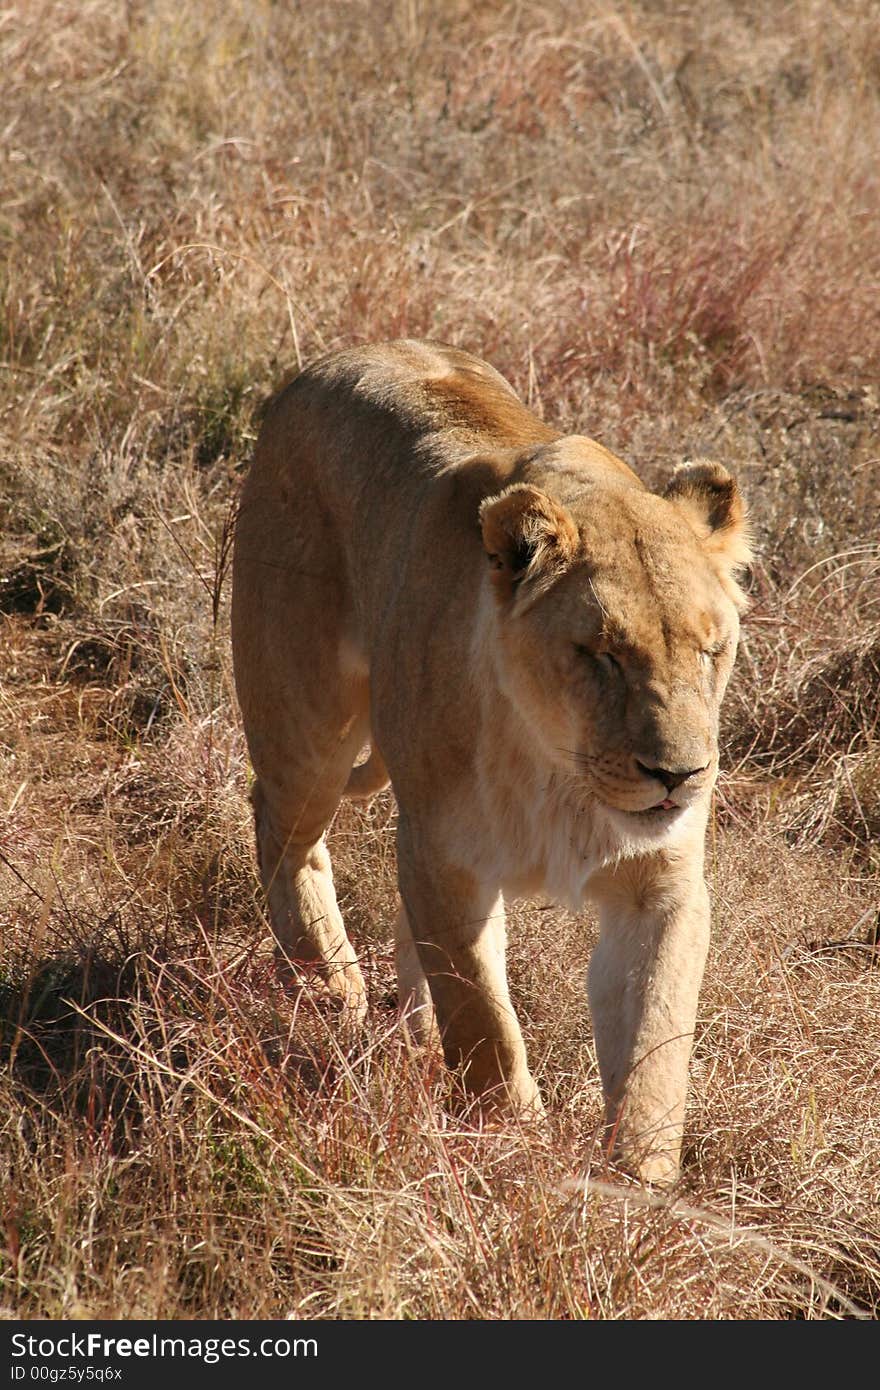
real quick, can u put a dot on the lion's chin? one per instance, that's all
(636, 830)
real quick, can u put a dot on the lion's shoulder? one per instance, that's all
(417, 386)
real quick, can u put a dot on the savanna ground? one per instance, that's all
(662, 222)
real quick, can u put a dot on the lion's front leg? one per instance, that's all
(457, 925)
(644, 980)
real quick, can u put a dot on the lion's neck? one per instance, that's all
(549, 837)
(545, 836)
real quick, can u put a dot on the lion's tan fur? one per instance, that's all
(536, 648)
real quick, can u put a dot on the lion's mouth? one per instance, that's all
(665, 810)
(662, 808)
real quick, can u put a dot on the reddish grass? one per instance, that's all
(662, 223)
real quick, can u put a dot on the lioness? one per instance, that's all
(536, 648)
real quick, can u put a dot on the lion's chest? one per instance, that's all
(552, 843)
(548, 842)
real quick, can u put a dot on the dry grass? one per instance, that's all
(663, 223)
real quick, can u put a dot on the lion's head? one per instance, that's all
(617, 615)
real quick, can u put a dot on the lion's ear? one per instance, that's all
(528, 537)
(712, 503)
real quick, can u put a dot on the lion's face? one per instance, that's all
(617, 628)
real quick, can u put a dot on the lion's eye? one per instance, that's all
(709, 655)
(605, 660)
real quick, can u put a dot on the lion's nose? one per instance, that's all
(667, 776)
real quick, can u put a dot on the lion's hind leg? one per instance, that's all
(303, 689)
(298, 882)
(413, 991)
(368, 777)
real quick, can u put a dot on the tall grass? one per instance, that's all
(661, 222)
